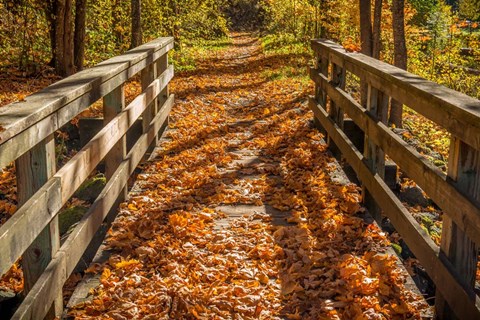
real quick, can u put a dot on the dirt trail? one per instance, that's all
(239, 215)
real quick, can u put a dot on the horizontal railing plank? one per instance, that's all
(464, 210)
(416, 238)
(46, 203)
(456, 112)
(23, 123)
(64, 262)
(81, 236)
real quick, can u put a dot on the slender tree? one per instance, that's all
(400, 54)
(59, 14)
(79, 36)
(377, 29)
(366, 36)
(136, 10)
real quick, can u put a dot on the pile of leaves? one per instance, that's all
(171, 258)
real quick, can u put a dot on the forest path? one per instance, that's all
(240, 213)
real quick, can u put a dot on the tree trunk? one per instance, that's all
(377, 29)
(400, 54)
(59, 24)
(79, 36)
(63, 49)
(69, 66)
(136, 23)
(366, 36)
(50, 12)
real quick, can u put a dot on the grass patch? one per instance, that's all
(286, 72)
(185, 54)
(284, 44)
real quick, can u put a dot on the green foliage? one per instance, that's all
(189, 51)
(438, 55)
(423, 9)
(25, 38)
(24, 42)
(469, 9)
(284, 43)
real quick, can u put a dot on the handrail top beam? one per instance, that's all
(19, 116)
(455, 111)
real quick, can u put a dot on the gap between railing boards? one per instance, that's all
(452, 266)
(32, 232)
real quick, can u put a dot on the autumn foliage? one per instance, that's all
(175, 259)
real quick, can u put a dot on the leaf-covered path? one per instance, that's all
(241, 215)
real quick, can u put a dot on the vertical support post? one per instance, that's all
(335, 112)
(377, 104)
(338, 80)
(114, 103)
(34, 168)
(321, 64)
(162, 65)
(148, 75)
(464, 169)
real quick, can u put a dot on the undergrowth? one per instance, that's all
(185, 54)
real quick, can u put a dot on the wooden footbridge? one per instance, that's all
(26, 138)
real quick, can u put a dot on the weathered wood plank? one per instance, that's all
(441, 271)
(465, 211)
(113, 104)
(22, 228)
(322, 64)
(377, 104)
(456, 112)
(79, 167)
(456, 246)
(162, 65)
(33, 169)
(37, 302)
(28, 122)
(71, 251)
(147, 76)
(78, 240)
(70, 177)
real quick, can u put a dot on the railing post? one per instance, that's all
(377, 104)
(34, 168)
(321, 64)
(113, 103)
(336, 112)
(464, 169)
(338, 80)
(148, 75)
(162, 65)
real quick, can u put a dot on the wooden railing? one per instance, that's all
(452, 266)
(26, 137)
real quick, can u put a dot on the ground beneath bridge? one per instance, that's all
(242, 213)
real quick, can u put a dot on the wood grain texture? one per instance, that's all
(442, 272)
(456, 112)
(48, 200)
(28, 122)
(33, 170)
(456, 246)
(113, 104)
(465, 210)
(72, 250)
